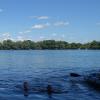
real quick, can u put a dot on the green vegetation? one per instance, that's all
(46, 44)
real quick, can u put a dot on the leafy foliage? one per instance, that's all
(46, 44)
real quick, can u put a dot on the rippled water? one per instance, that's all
(41, 68)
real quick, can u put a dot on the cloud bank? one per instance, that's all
(40, 17)
(40, 26)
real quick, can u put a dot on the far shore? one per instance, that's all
(48, 45)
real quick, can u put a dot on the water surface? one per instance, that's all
(41, 68)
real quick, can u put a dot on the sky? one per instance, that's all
(67, 20)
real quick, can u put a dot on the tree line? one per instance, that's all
(46, 44)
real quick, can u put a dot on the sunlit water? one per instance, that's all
(40, 68)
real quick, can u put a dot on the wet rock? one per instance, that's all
(93, 80)
(49, 89)
(74, 75)
(26, 88)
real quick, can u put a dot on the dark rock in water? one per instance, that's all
(25, 86)
(49, 89)
(74, 75)
(93, 80)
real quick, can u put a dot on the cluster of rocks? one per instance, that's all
(92, 79)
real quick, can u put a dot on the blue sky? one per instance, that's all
(69, 20)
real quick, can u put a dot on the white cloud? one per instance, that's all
(6, 36)
(27, 31)
(20, 38)
(40, 26)
(43, 17)
(23, 37)
(61, 23)
(20, 32)
(42, 37)
(40, 17)
(1, 10)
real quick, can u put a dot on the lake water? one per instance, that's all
(40, 68)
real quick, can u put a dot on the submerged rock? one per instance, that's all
(74, 75)
(49, 89)
(26, 88)
(93, 80)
